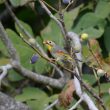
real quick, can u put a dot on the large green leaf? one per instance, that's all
(3, 49)
(14, 37)
(88, 77)
(107, 101)
(70, 16)
(53, 32)
(103, 8)
(93, 32)
(1, 1)
(26, 52)
(34, 97)
(13, 76)
(31, 93)
(91, 24)
(26, 28)
(87, 20)
(41, 104)
(17, 3)
(42, 66)
(104, 88)
(36, 105)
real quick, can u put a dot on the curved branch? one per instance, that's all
(4, 71)
(17, 66)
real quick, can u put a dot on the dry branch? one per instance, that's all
(8, 103)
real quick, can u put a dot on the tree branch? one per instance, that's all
(77, 79)
(4, 70)
(77, 103)
(8, 103)
(37, 46)
(51, 105)
(53, 17)
(17, 66)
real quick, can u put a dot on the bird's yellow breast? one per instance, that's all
(49, 47)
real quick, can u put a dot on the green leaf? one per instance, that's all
(107, 101)
(53, 32)
(93, 32)
(51, 99)
(104, 87)
(26, 27)
(4, 61)
(14, 37)
(42, 66)
(87, 20)
(70, 16)
(26, 53)
(36, 105)
(1, 1)
(41, 104)
(31, 93)
(17, 3)
(107, 38)
(91, 24)
(103, 9)
(3, 49)
(88, 77)
(13, 76)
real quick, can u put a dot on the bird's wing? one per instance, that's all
(61, 53)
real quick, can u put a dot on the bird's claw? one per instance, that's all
(52, 60)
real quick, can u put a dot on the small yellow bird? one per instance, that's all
(58, 53)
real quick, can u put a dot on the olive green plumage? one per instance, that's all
(59, 53)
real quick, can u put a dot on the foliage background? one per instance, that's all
(86, 16)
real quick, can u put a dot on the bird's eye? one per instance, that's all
(50, 42)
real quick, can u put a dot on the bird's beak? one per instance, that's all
(45, 42)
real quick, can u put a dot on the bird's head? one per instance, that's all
(49, 44)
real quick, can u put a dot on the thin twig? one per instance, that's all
(98, 81)
(53, 17)
(51, 105)
(77, 103)
(90, 49)
(50, 6)
(62, 19)
(4, 71)
(96, 76)
(70, 3)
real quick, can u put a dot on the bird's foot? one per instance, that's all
(52, 60)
